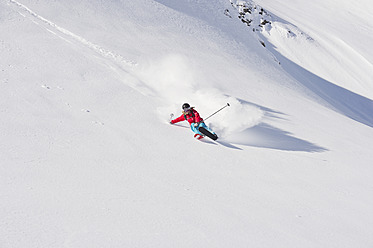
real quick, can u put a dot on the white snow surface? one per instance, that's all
(88, 157)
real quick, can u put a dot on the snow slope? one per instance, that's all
(88, 158)
(338, 36)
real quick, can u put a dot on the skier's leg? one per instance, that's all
(195, 129)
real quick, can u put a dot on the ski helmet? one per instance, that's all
(185, 107)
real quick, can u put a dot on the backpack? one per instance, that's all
(192, 113)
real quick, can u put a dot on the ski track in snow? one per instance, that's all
(98, 49)
(121, 66)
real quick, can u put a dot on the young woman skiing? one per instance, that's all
(195, 120)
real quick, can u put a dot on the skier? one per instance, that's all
(195, 120)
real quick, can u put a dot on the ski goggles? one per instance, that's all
(186, 109)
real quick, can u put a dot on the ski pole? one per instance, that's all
(218, 111)
(171, 115)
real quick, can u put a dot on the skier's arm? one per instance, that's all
(181, 118)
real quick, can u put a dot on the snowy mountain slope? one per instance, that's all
(313, 63)
(89, 160)
(338, 34)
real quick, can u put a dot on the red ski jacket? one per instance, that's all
(192, 117)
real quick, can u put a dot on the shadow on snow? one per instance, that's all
(341, 100)
(267, 136)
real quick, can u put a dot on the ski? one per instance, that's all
(207, 133)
